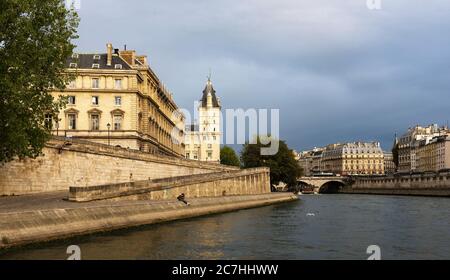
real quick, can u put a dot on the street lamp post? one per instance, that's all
(57, 126)
(109, 126)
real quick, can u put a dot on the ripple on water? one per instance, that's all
(342, 228)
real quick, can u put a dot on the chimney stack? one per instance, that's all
(109, 49)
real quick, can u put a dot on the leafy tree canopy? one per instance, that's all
(395, 154)
(35, 42)
(228, 156)
(283, 166)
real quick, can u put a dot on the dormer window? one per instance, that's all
(95, 66)
(75, 55)
(118, 66)
(97, 56)
(73, 65)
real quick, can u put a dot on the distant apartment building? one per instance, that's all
(409, 143)
(117, 99)
(434, 155)
(356, 158)
(311, 161)
(389, 165)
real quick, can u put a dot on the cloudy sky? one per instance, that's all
(337, 70)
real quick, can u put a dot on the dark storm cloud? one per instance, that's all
(336, 70)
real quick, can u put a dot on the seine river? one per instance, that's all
(315, 227)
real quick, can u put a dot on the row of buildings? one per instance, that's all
(355, 158)
(423, 149)
(420, 149)
(116, 98)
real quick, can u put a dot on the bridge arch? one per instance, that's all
(332, 186)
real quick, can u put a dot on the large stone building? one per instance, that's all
(434, 155)
(389, 165)
(117, 99)
(357, 158)
(311, 161)
(409, 143)
(202, 140)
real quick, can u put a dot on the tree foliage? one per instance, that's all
(395, 154)
(35, 42)
(283, 166)
(228, 156)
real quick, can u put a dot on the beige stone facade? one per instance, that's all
(409, 144)
(311, 161)
(389, 165)
(357, 158)
(202, 140)
(434, 155)
(117, 99)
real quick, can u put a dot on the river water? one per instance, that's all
(329, 226)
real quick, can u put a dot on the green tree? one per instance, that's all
(283, 166)
(395, 151)
(35, 42)
(395, 154)
(228, 156)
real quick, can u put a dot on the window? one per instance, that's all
(95, 83)
(118, 84)
(118, 66)
(72, 121)
(71, 100)
(187, 155)
(48, 121)
(95, 122)
(214, 138)
(94, 100)
(73, 65)
(209, 155)
(96, 56)
(117, 122)
(95, 66)
(209, 146)
(118, 100)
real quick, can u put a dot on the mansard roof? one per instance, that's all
(85, 61)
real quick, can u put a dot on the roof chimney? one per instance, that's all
(142, 59)
(109, 51)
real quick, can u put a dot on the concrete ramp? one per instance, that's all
(224, 183)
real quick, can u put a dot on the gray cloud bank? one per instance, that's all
(336, 70)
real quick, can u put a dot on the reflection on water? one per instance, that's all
(341, 228)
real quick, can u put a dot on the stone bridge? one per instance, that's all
(329, 184)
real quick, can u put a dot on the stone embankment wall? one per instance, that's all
(82, 163)
(18, 228)
(225, 183)
(421, 184)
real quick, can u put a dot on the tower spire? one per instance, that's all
(209, 75)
